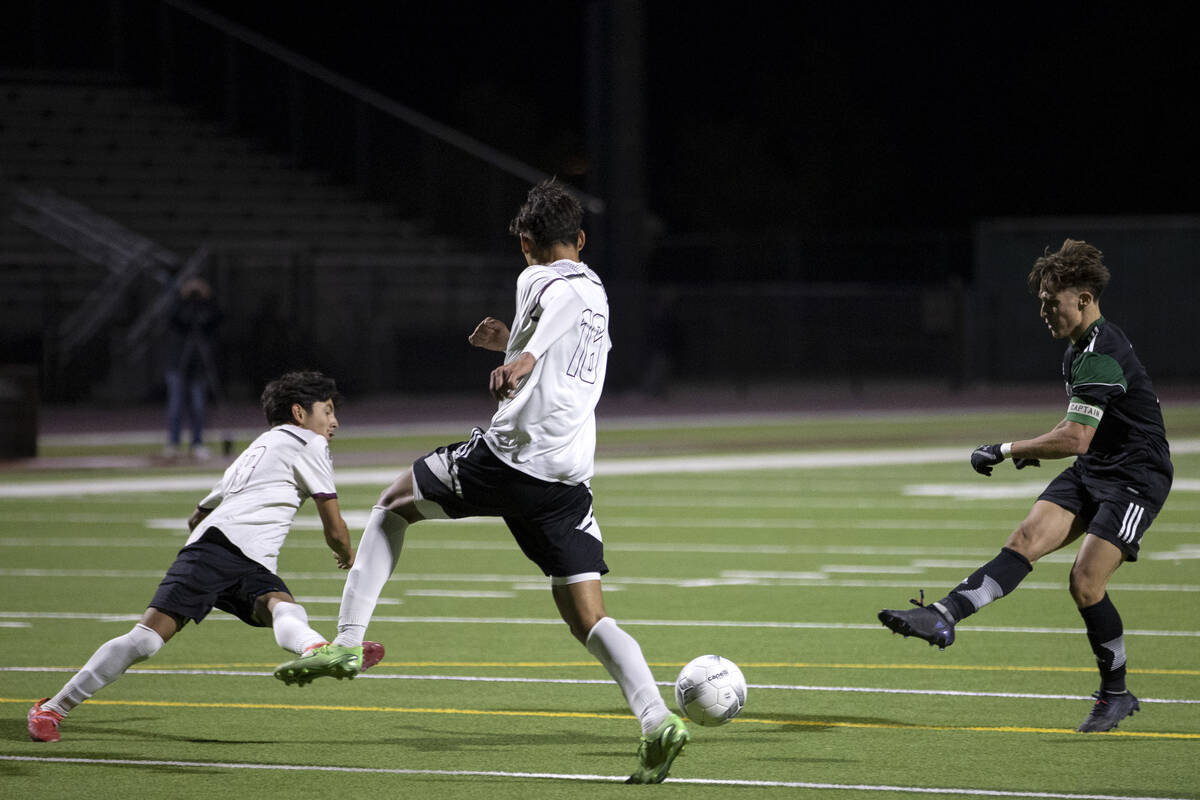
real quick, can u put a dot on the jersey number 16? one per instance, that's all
(586, 358)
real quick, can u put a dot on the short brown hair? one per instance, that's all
(1076, 265)
(551, 214)
(306, 388)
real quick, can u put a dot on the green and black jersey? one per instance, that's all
(1110, 390)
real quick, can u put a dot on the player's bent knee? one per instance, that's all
(1086, 590)
(1024, 542)
(399, 498)
(146, 641)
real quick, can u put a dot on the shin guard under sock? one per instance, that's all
(990, 582)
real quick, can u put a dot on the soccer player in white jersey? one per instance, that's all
(229, 559)
(531, 467)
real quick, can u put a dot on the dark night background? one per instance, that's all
(858, 187)
(773, 115)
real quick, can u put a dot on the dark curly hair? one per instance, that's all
(551, 214)
(305, 388)
(1076, 265)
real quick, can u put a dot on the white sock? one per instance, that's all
(622, 657)
(292, 630)
(108, 663)
(378, 552)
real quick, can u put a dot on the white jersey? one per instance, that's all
(258, 496)
(547, 429)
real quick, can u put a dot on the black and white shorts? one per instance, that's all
(553, 523)
(1109, 510)
(212, 572)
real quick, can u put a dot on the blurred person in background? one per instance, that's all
(191, 364)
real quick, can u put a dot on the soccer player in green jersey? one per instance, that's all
(1109, 496)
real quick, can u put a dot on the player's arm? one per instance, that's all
(337, 535)
(197, 517)
(490, 334)
(207, 505)
(561, 308)
(1067, 438)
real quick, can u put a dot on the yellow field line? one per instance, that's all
(593, 715)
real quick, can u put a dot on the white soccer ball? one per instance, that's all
(710, 690)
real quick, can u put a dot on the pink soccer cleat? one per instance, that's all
(43, 723)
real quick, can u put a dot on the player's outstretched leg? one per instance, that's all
(327, 661)
(924, 622)
(43, 723)
(658, 750)
(935, 623)
(1110, 708)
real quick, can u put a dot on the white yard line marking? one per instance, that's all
(1182, 552)
(815, 579)
(1006, 491)
(660, 623)
(375, 674)
(604, 467)
(555, 776)
(450, 593)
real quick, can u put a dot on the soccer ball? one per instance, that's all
(710, 690)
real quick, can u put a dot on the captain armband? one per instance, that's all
(1084, 413)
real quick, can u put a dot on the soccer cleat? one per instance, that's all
(372, 655)
(331, 660)
(1108, 711)
(43, 723)
(657, 751)
(924, 622)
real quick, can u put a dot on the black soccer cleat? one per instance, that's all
(1109, 710)
(924, 622)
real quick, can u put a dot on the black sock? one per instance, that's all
(1106, 635)
(990, 582)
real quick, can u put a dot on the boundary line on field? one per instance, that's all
(661, 623)
(477, 712)
(816, 579)
(581, 777)
(688, 464)
(676, 664)
(375, 675)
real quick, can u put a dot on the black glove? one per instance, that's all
(984, 457)
(1022, 463)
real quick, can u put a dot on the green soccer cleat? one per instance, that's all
(657, 751)
(331, 660)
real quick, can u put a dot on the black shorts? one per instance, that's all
(212, 572)
(1113, 511)
(553, 523)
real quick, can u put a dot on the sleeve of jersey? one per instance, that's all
(213, 498)
(1096, 380)
(314, 470)
(559, 308)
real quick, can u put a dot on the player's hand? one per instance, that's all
(984, 457)
(1022, 463)
(490, 334)
(506, 378)
(344, 562)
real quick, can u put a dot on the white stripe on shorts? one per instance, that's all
(1129, 525)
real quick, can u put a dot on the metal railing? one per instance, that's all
(420, 166)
